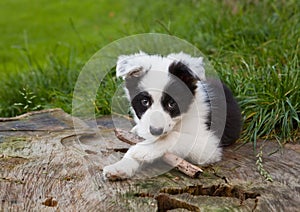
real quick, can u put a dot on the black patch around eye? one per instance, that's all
(137, 104)
(165, 100)
(180, 95)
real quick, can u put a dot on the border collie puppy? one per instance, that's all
(176, 109)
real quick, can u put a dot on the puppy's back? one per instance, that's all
(230, 111)
(233, 124)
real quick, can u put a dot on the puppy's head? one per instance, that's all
(160, 89)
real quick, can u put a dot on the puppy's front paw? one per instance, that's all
(121, 170)
(114, 173)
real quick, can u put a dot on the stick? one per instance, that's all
(182, 165)
(171, 159)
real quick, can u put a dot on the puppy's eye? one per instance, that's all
(145, 102)
(172, 104)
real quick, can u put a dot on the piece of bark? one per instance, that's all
(166, 203)
(171, 159)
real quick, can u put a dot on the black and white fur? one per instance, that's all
(176, 109)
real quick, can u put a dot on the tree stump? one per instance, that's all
(47, 165)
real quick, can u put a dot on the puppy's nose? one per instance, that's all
(156, 131)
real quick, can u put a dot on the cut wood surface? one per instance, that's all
(46, 165)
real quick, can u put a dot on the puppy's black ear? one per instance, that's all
(130, 65)
(186, 75)
(196, 64)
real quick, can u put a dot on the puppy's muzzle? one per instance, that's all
(156, 131)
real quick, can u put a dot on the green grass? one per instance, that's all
(253, 45)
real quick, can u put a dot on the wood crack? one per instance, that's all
(221, 190)
(166, 200)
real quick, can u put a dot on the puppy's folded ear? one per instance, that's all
(130, 65)
(196, 64)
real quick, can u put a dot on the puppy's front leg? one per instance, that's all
(133, 159)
